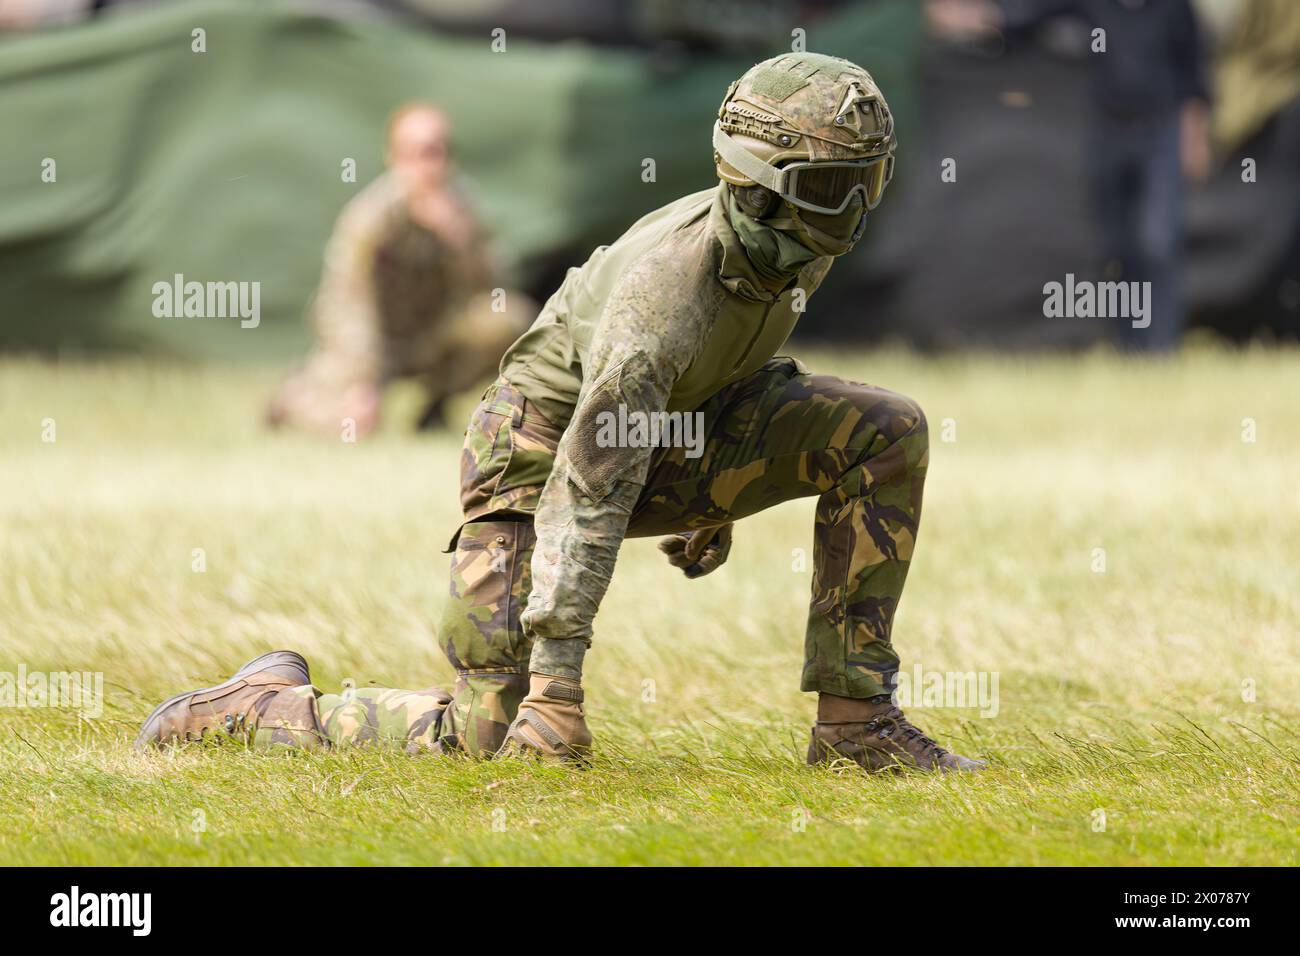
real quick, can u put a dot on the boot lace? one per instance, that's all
(243, 725)
(894, 720)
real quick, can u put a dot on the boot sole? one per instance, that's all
(144, 740)
(820, 753)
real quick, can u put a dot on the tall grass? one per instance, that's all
(1096, 533)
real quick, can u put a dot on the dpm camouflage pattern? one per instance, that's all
(778, 434)
(304, 718)
(415, 720)
(432, 721)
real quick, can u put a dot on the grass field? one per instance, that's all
(1162, 691)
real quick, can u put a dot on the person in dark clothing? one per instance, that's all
(1149, 133)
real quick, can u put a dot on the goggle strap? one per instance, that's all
(749, 165)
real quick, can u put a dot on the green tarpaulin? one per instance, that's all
(227, 165)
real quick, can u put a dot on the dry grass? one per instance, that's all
(1125, 691)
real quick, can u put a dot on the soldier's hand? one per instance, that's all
(698, 552)
(361, 404)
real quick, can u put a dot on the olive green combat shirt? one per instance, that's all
(659, 321)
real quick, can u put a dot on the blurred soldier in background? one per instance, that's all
(34, 14)
(408, 290)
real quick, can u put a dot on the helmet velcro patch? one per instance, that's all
(777, 84)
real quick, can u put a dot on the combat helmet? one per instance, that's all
(813, 129)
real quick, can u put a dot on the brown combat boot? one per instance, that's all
(551, 723)
(875, 734)
(257, 705)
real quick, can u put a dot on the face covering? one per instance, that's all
(777, 256)
(781, 245)
(825, 234)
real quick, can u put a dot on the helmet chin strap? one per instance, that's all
(859, 229)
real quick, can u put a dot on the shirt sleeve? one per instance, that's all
(652, 327)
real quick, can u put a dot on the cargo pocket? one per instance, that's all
(484, 458)
(531, 444)
(490, 580)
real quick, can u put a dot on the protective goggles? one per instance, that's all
(823, 187)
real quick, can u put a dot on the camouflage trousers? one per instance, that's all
(414, 720)
(778, 434)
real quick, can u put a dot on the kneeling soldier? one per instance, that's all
(684, 313)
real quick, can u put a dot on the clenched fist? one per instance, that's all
(698, 552)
